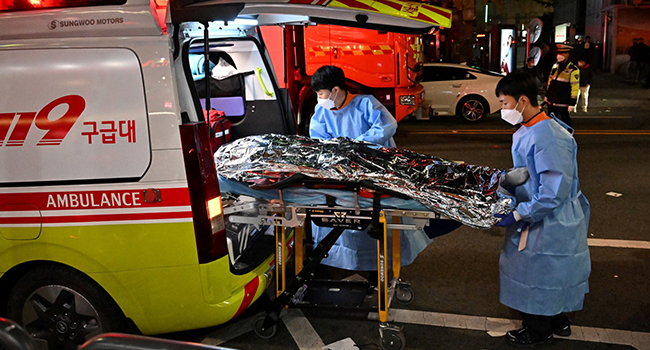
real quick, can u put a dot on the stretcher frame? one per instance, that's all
(283, 216)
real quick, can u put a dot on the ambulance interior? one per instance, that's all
(250, 98)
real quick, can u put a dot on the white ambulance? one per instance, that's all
(110, 212)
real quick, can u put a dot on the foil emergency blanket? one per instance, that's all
(463, 192)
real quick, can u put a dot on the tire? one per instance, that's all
(472, 109)
(393, 340)
(267, 333)
(404, 294)
(72, 307)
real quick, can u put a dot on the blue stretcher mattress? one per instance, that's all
(305, 196)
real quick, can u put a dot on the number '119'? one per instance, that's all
(56, 129)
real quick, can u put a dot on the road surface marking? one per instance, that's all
(302, 331)
(509, 132)
(299, 327)
(618, 243)
(229, 332)
(343, 344)
(498, 327)
(601, 117)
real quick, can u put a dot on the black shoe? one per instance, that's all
(561, 325)
(527, 337)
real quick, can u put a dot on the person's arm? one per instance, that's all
(554, 167)
(550, 76)
(318, 126)
(382, 123)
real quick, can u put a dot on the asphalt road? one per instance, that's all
(456, 278)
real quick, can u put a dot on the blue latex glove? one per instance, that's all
(506, 220)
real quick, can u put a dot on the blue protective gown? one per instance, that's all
(362, 118)
(550, 275)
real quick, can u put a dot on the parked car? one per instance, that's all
(458, 89)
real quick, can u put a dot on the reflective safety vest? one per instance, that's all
(563, 85)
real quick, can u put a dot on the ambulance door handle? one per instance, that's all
(457, 85)
(336, 53)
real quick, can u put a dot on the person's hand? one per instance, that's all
(571, 109)
(506, 220)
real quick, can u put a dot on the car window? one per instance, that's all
(434, 73)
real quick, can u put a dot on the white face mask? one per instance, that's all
(560, 58)
(326, 102)
(512, 116)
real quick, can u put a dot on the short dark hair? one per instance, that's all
(518, 84)
(327, 77)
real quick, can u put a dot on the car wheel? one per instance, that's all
(62, 308)
(472, 108)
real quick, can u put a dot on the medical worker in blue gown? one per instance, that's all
(544, 264)
(361, 117)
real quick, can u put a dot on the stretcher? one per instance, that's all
(367, 206)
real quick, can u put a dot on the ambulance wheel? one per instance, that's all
(62, 308)
(472, 109)
(267, 333)
(393, 340)
(404, 294)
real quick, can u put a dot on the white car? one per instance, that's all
(457, 89)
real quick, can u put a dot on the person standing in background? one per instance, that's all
(588, 49)
(646, 84)
(546, 61)
(632, 64)
(531, 69)
(585, 84)
(563, 85)
(644, 61)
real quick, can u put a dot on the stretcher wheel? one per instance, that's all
(404, 294)
(393, 340)
(267, 333)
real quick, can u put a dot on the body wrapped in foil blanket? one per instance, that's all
(462, 192)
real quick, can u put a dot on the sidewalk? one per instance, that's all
(612, 91)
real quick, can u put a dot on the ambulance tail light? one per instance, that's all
(205, 196)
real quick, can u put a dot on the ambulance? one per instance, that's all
(111, 218)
